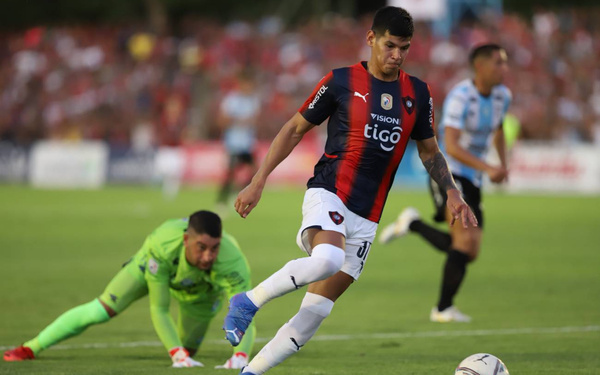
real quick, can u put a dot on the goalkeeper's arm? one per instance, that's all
(164, 326)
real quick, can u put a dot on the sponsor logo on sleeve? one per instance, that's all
(318, 95)
(430, 111)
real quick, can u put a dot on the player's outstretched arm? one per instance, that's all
(435, 164)
(164, 326)
(285, 141)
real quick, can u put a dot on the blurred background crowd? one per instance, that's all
(134, 85)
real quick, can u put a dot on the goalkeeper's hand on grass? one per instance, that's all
(237, 361)
(181, 358)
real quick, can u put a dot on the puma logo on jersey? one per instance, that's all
(363, 97)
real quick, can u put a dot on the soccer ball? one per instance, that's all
(481, 364)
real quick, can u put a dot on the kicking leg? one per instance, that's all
(292, 336)
(409, 220)
(326, 260)
(440, 240)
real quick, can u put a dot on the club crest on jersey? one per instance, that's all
(409, 104)
(386, 101)
(336, 217)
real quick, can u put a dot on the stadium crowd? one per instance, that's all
(130, 87)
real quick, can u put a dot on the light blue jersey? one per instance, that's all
(243, 110)
(477, 117)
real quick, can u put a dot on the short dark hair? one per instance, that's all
(484, 50)
(395, 20)
(206, 222)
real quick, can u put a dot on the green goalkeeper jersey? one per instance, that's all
(161, 263)
(162, 260)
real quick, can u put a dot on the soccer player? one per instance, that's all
(190, 259)
(474, 111)
(373, 108)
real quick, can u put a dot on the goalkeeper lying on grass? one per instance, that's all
(191, 260)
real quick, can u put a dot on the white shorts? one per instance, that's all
(325, 210)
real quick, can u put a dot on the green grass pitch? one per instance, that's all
(534, 293)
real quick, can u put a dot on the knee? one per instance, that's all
(473, 255)
(330, 258)
(468, 244)
(469, 253)
(458, 258)
(111, 313)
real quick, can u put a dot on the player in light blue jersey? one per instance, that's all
(238, 116)
(472, 119)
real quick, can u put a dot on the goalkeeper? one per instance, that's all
(189, 259)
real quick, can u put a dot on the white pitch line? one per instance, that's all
(483, 332)
(365, 336)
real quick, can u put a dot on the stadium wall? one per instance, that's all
(534, 167)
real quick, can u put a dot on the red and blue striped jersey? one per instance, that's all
(370, 122)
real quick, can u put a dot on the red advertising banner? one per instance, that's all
(206, 163)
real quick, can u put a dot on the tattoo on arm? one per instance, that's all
(439, 172)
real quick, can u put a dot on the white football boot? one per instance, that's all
(450, 314)
(399, 227)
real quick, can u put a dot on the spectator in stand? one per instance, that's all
(51, 75)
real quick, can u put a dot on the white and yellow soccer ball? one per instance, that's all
(481, 364)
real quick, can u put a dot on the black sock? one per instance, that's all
(440, 240)
(454, 273)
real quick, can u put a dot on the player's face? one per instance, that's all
(495, 68)
(388, 52)
(201, 250)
